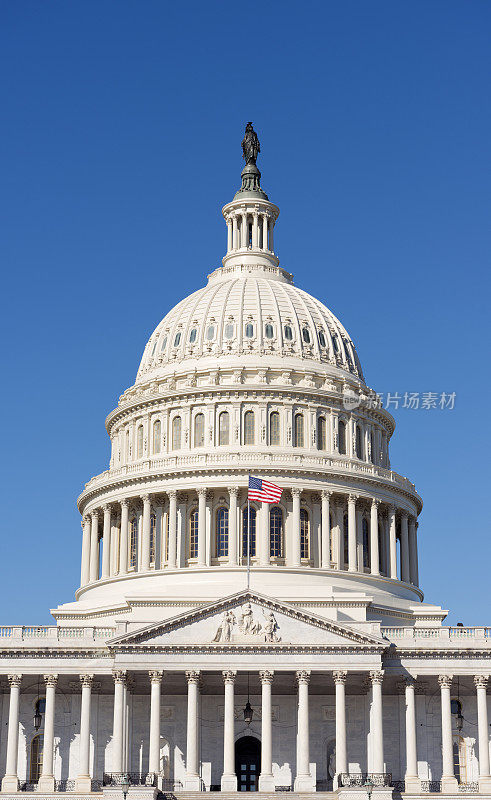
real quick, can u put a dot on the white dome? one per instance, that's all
(249, 310)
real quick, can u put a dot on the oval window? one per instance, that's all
(229, 331)
(192, 335)
(268, 331)
(335, 343)
(288, 333)
(177, 339)
(306, 335)
(249, 330)
(164, 344)
(210, 332)
(322, 339)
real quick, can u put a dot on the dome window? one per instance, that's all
(210, 332)
(249, 330)
(268, 331)
(306, 335)
(288, 333)
(177, 338)
(154, 346)
(335, 344)
(229, 330)
(192, 335)
(164, 344)
(322, 339)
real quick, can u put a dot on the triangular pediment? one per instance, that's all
(246, 618)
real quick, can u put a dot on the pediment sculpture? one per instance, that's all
(245, 627)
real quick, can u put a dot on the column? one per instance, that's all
(82, 781)
(234, 233)
(229, 778)
(192, 781)
(449, 782)
(172, 559)
(244, 235)
(325, 531)
(229, 235)
(118, 720)
(271, 242)
(264, 549)
(94, 547)
(47, 780)
(412, 782)
(392, 543)
(201, 527)
(374, 550)
(266, 780)
(145, 498)
(106, 542)
(10, 782)
(85, 570)
(352, 532)
(154, 741)
(404, 548)
(413, 551)
(341, 752)
(255, 230)
(265, 232)
(296, 528)
(303, 780)
(123, 540)
(481, 682)
(376, 725)
(232, 526)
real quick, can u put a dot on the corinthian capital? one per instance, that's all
(302, 676)
(445, 681)
(339, 676)
(155, 676)
(481, 681)
(229, 675)
(50, 680)
(86, 680)
(14, 680)
(193, 675)
(119, 676)
(376, 676)
(266, 676)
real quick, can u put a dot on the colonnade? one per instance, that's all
(339, 531)
(238, 230)
(303, 780)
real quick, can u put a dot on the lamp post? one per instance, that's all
(125, 785)
(369, 786)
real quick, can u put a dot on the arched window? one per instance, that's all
(177, 338)
(322, 339)
(276, 532)
(288, 333)
(358, 443)
(345, 541)
(192, 335)
(249, 427)
(153, 538)
(210, 332)
(229, 330)
(164, 344)
(193, 534)
(268, 331)
(36, 765)
(306, 335)
(199, 430)
(274, 428)
(133, 542)
(335, 344)
(249, 524)
(249, 330)
(304, 534)
(366, 543)
(139, 442)
(224, 428)
(298, 438)
(222, 532)
(176, 433)
(342, 437)
(321, 433)
(157, 432)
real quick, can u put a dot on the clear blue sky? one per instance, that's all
(120, 142)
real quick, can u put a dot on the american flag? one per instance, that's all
(263, 490)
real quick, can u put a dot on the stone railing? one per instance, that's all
(443, 634)
(12, 634)
(362, 778)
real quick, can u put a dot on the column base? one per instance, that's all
(229, 783)
(485, 784)
(266, 783)
(304, 783)
(10, 783)
(449, 785)
(412, 785)
(83, 783)
(192, 783)
(46, 783)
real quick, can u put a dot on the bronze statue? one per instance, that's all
(250, 145)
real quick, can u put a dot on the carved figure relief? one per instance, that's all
(246, 626)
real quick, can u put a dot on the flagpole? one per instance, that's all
(248, 541)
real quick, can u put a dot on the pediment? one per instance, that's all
(246, 618)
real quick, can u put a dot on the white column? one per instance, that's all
(449, 782)
(481, 682)
(82, 781)
(234, 233)
(146, 533)
(341, 751)
(266, 780)
(296, 528)
(374, 549)
(392, 543)
(106, 542)
(352, 532)
(255, 230)
(85, 569)
(377, 735)
(94, 547)
(118, 720)
(325, 531)
(244, 236)
(412, 782)
(271, 241)
(229, 235)
(201, 527)
(264, 549)
(154, 742)
(404, 548)
(229, 778)
(47, 780)
(232, 526)
(303, 780)
(192, 780)
(10, 782)
(172, 560)
(123, 540)
(265, 232)
(413, 551)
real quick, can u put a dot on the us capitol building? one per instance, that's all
(176, 669)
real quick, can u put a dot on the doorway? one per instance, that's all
(248, 763)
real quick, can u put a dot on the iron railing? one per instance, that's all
(360, 778)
